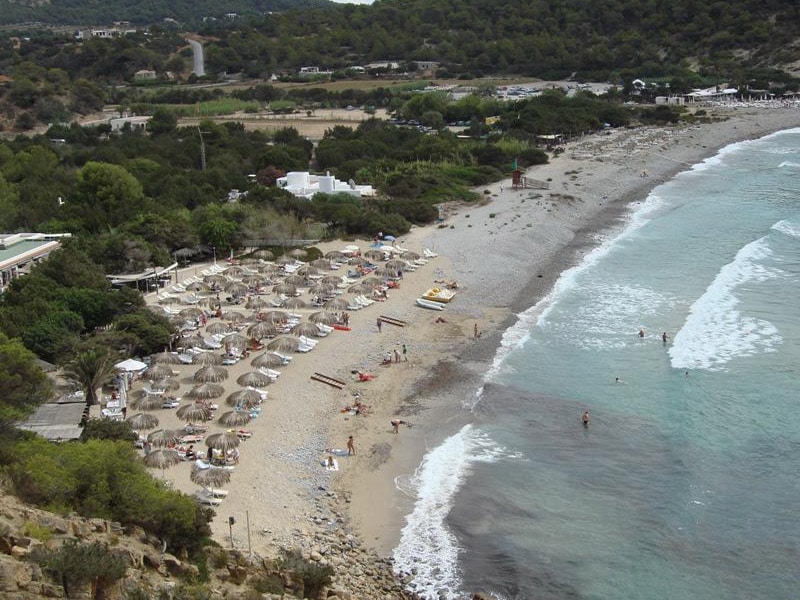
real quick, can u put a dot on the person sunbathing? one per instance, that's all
(365, 376)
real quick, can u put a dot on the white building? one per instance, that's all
(18, 251)
(304, 185)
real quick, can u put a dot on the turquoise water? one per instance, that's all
(685, 484)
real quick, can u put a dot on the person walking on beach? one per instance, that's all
(378, 323)
(585, 418)
(475, 331)
(396, 425)
(664, 338)
(396, 355)
(405, 353)
(351, 447)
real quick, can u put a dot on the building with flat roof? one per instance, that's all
(19, 251)
(58, 421)
(304, 185)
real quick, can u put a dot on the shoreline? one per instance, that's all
(379, 523)
(506, 255)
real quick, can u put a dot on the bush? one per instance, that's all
(107, 429)
(75, 564)
(268, 584)
(315, 576)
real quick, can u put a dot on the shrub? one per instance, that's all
(315, 576)
(75, 564)
(268, 584)
(37, 531)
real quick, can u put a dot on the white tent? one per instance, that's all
(130, 365)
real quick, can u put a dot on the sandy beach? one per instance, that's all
(505, 253)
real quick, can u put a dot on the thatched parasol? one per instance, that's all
(285, 288)
(206, 358)
(244, 398)
(233, 316)
(170, 300)
(336, 304)
(262, 330)
(171, 384)
(296, 280)
(274, 316)
(298, 253)
(191, 313)
(235, 288)
(307, 329)
(142, 421)
(216, 279)
(147, 402)
(257, 303)
(322, 289)
(323, 264)
(197, 286)
(218, 327)
(396, 263)
(333, 280)
(235, 339)
(194, 412)
(268, 360)
(165, 358)
(158, 372)
(284, 343)
(253, 379)
(268, 269)
(263, 254)
(162, 458)
(234, 418)
(373, 281)
(324, 317)
(233, 271)
(373, 254)
(334, 255)
(161, 438)
(210, 478)
(206, 391)
(360, 288)
(307, 271)
(223, 441)
(357, 261)
(284, 260)
(410, 255)
(294, 303)
(210, 374)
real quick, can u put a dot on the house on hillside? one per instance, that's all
(304, 185)
(145, 75)
(20, 251)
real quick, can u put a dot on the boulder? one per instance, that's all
(14, 575)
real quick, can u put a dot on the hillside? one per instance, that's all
(545, 38)
(81, 12)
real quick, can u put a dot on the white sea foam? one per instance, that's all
(788, 163)
(715, 331)
(518, 334)
(427, 547)
(788, 227)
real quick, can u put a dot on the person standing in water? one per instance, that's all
(585, 418)
(664, 338)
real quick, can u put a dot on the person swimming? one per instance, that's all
(585, 418)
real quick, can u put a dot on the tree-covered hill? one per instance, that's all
(532, 37)
(83, 12)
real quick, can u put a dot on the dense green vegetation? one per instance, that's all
(79, 12)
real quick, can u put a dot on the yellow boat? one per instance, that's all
(439, 295)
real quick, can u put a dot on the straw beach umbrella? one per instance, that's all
(210, 374)
(307, 271)
(322, 289)
(253, 379)
(147, 402)
(209, 479)
(142, 421)
(284, 260)
(233, 316)
(373, 254)
(194, 412)
(244, 398)
(235, 288)
(235, 339)
(336, 304)
(234, 418)
(161, 458)
(206, 358)
(165, 358)
(284, 343)
(267, 360)
(161, 438)
(323, 317)
(262, 330)
(257, 303)
(158, 372)
(307, 329)
(233, 271)
(206, 391)
(274, 316)
(197, 286)
(322, 264)
(223, 441)
(396, 263)
(190, 313)
(170, 384)
(333, 280)
(218, 327)
(334, 255)
(263, 254)
(298, 253)
(285, 288)
(216, 279)
(360, 288)
(296, 280)
(357, 261)
(294, 303)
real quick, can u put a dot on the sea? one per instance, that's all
(686, 482)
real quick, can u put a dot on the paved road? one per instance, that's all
(199, 64)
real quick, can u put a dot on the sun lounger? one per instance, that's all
(429, 254)
(211, 343)
(207, 499)
(303, 348)
(271, 373)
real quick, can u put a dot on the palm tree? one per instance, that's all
(91, 370)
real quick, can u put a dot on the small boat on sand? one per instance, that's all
(439, 295)
(430, 304)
